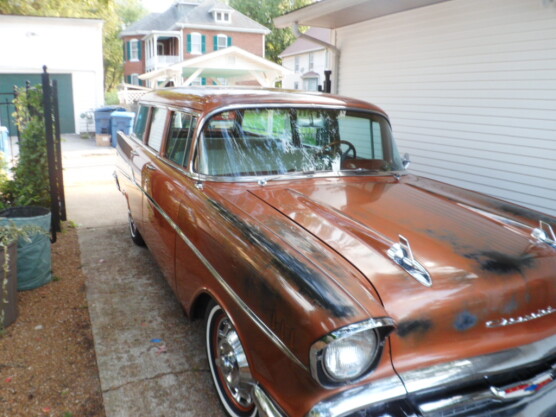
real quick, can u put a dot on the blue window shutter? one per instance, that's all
(140, 50)
(125, 50)
(128, 50)
(203, 81)
(215, 43)
(189, 42)
(229, 41)
(204, 44)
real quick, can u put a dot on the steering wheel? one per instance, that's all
(330, 146)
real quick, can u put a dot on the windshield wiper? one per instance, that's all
(276, 177)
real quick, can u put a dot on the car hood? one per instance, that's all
(484, 264)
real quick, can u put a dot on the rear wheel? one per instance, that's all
(134, 233)
(228, 364)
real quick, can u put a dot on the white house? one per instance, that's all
(470, 85)
(70, 48)
(307, 60)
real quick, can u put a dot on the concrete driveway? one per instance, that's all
(151, 358)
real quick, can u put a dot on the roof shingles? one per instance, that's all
(182, 14)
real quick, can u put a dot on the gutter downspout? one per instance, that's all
(329, 46)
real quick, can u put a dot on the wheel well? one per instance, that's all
(199, 306)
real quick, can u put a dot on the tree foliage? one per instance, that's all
(264, 12)
(107, 10)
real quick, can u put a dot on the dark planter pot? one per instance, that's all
(8, 300)
(34, 259)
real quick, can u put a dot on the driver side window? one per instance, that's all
(365, 134)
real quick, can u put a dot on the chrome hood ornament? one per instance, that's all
(402, 254)
(545, 234)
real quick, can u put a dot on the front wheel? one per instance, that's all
(228, 364)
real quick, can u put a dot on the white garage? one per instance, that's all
(470, 85)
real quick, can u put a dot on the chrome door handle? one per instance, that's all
(150, 167)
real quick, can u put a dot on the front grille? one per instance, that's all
(479, 397)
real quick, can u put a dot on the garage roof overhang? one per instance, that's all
(338, 13)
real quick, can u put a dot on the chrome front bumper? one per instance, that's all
(515, 382)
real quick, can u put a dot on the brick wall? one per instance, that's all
(251, 42)
(133, 67)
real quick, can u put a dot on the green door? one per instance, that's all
(65, 97)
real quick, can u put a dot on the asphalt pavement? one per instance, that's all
(151, 358)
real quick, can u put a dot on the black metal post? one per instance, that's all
(327, 83)
(16, 93)
(51, 154)
(58, 142)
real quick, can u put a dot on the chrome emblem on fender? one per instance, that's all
(521, 319)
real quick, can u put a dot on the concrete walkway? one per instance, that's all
(151, 359)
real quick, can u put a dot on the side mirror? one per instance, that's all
(405, 160)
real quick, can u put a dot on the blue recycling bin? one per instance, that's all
(121, 121)
(102, 118)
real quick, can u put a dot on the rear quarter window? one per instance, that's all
(141, 122)
(156, 132)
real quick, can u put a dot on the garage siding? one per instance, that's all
(470, 87)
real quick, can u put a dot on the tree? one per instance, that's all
(130, 11)
(264, 12)
(107, 10)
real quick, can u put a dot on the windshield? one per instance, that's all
(278, 141)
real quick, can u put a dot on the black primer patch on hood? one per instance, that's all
(309, 281)
(501, 263)
(465, 321)
(416, 327)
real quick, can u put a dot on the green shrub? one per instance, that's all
(30, 184)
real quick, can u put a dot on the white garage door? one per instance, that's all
(470, 87)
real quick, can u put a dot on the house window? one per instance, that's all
(296, 85)
(222, 17)
(134, 79)
(134, 50)
(160, 48)
(311, 61)
(195, 43)
(297, 63)
(221, 42)
(311, 84)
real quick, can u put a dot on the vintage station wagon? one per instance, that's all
(332, 281)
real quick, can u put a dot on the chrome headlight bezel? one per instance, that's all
(381, 327)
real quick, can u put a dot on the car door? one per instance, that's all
(159, 202)
(130, 164)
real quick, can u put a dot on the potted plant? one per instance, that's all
(25, 196)
(10, 234)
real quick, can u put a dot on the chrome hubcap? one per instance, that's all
(232, 362)
(132, 226)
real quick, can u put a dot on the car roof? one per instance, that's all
(206, 99)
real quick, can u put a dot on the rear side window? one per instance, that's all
(141, 122)
(179, 139)
(156, 133)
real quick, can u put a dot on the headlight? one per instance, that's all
(351, 356)
(350, 352)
